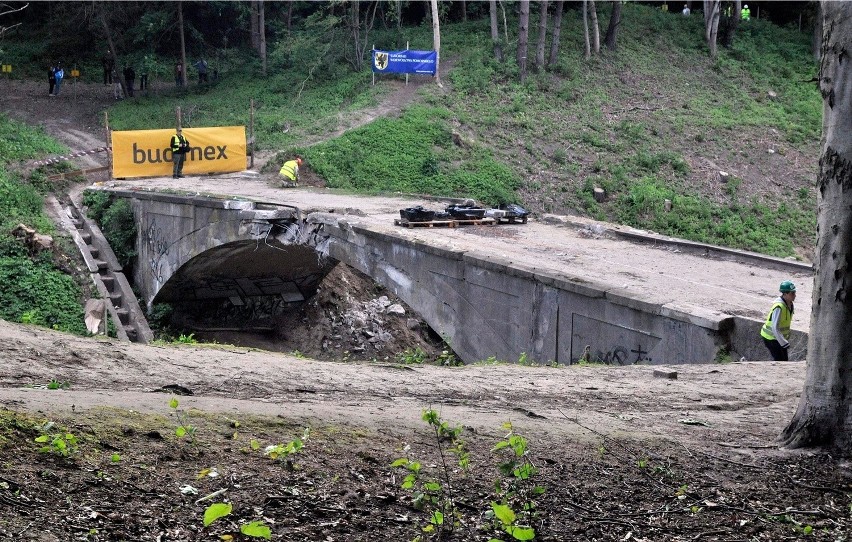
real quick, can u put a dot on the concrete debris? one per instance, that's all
(396, 308)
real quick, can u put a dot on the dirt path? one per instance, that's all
(743, 403)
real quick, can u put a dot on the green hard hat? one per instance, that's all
(787, 286)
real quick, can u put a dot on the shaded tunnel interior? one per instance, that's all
(243, 284)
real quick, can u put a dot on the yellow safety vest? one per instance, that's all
(290, 169)
(786, 317)
(177, 142)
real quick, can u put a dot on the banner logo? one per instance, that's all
(381, 61)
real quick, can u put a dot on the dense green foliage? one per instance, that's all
(34, 290)
(115, 219)
(643, 122)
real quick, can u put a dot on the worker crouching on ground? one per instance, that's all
(290, 173)
(776, 330)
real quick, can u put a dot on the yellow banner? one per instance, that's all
(147, 153)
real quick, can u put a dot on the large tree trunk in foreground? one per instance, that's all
(824, 416)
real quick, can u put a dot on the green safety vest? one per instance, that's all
(289, 169)
(784, 321)
(746, 14)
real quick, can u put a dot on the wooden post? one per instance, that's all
(371, 68)
(177, 113)
(406, 75)
(108, 142)
(251, 132)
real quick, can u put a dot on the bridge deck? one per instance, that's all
(660, 274)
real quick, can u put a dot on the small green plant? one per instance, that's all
(184, 428)
(515, 508)
(432, 495)
(57, 385)
(284, 452)
(412, 356)
(186, 339)
(56, 442)
(254, 529)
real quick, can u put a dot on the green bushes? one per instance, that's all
(34, 291)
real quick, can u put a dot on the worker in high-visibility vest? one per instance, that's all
(745, 13)
(290, 172)
(776, 329)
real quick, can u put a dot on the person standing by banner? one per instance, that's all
(179, 146)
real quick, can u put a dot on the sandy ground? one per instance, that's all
(744, 404)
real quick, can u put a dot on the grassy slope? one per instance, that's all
(655, 120)
(34, 290)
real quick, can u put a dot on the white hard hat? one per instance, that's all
(745, 6)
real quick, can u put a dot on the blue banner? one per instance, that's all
(405, 61)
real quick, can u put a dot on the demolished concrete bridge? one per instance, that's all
(240, 253)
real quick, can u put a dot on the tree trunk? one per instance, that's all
(523, 36)
(824, 415)
(614, 23)
(436, 40)
(182, 44)
(360, 39)
(464, 10)
(261, 27)
(557, 30)
(495, 32)
(289, 17)
(255, 37)
(711, 23)
(542, 37)
(355, 18)
(596, 30)
(398, 14)
(111, 43)
(588, 48)
(730, 21)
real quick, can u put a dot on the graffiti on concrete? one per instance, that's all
(596, 341)
(157, 245)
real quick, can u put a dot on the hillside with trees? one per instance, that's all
(649, 113)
